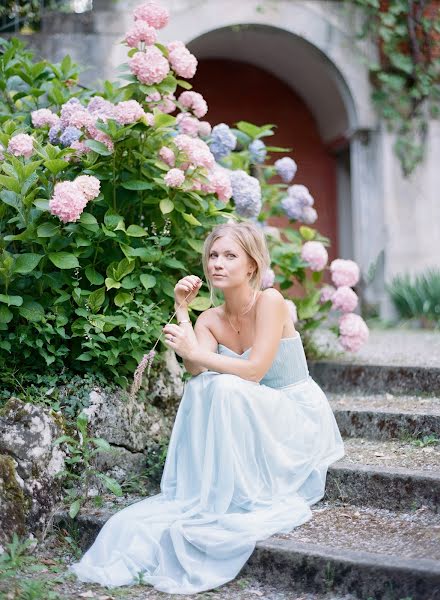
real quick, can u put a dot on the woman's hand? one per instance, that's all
(186, 289)
(178, 339)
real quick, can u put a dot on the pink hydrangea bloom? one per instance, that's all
(153, 14)
(353, 332)
(165, 104)
(293, 311)
(195, 102)
(128, 112)
(101, 108)
(67, 109)
(309, 215)
(102, 137)
(205, 128)
(21, 144)
(187, 125)
(88, 185)
(167, 155)
(154, 97)
(327, 293)
(148, 119)
(344, 299)
(344, 272)
(141, 32)
(196, 150)
(80, 149)
(2, 156)
(81, 118)
(150, 66)
(67, 202)
(221, 183)
(174, 178)
(44, 116)
(315, 255)
(268, 279)
(182, 61)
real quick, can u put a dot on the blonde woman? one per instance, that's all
(252, 440)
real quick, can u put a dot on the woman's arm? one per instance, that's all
(271, 314)
(202, 335)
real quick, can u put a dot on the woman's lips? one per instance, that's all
(218, 275)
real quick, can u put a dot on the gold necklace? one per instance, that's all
(236, 330)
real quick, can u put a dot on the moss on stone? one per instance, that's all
(12, 500)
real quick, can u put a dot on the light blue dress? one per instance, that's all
(245, 460)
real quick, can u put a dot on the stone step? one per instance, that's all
(343, 549)
(386, 416)
(340, 376)
(370, 553)
(386, 474)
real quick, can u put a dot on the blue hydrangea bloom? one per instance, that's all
(258, 151)
(223, 141)
(54, 134)
(286, 168)
(292, 207)
(70, 135)
(246, 193)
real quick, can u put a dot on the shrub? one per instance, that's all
(417, 297)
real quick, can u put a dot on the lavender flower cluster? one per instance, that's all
(246, 193)
(298, 204)
(223, 141)
(258, 152)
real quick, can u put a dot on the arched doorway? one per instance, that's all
(260, 97)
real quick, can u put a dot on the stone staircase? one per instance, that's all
(376, 534)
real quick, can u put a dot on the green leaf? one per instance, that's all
(25, 263)
(11, 198)
(74, 509)
(307, 232)
(137, 185)
(55, 166)
(110, 283)
(190, 219)
(11, 300)
(200, 303)
(163, 120)
(102, 444)
(173, 263)
(122, 298)
(98, 147)
(136, 231)
(31, 311)
(85, 356)
(47, 230)
(148, 281)
(96, 299)
(41, 203)
(87, 219)
(63, 260)
(166, 206)
(196, 245)
(93, 276)
(5, 314)
(111, 484)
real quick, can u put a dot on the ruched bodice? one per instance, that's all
(289, 365)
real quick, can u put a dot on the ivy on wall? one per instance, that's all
(406, 77)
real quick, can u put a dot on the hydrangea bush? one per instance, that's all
(106, 199)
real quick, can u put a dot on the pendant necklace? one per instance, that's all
(236, 330)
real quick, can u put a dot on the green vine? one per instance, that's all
(406, 78)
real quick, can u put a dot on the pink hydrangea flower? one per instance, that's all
(182, 61)
(195, 102)
(344, 272)
(81, 118)
(353, 332)
(128, 112)
(196, 150)
(148, 119)
(21, 144)
(293, 311)
(141, 32)
(221, 183)
(327, 293)
(165, 104)
(102, 137)
(44, 116)
(205, 128)
(268, 279)
(167, 155)
(101, 108)
(80, 149)
(153, 14)
(344, 299)
(174, 178)
(315, 255)
(67, 202)
(149, 66)
(2, 156)
(187, 125)
(88, 185)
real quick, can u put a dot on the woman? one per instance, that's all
(251, 443)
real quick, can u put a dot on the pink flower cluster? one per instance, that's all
(70, 197)
(168, 156)
(43, 117)
(196, 151)
(268, 279)
(141, 32)
(194, 102)
(344, 299)
(187, 125)
(344, 272)
(165, 104)
(353, 332)
(182, 61)
(150, 66)
(293, 311)
(21, 144)
(174, 178)
(315, 255)
(128, 112)
(153, 14)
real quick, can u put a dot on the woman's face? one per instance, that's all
(228, 263)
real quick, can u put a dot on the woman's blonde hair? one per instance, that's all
(252, 240)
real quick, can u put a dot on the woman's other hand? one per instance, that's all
(178, 339)
(186, 289)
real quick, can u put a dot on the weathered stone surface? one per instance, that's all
(27, 433)
(13, 504)
(120, 463)
(166, 387)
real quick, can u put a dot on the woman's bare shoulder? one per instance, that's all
(210, 316)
